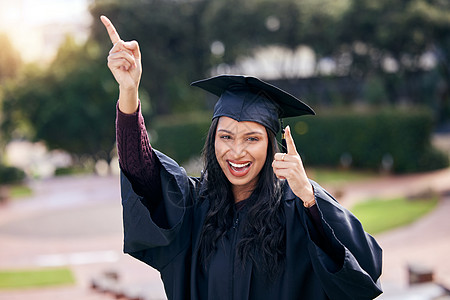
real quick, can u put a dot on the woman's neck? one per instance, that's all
(242, 192)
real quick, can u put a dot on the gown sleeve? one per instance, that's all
(136, 157)
(348, 263)
(156, 196)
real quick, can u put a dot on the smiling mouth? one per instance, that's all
(239, 169)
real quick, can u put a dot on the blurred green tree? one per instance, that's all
(171, 39)
(392, 39)
(10, 66)
(69, 105)
(181, 41)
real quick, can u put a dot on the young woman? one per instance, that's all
(253, 226)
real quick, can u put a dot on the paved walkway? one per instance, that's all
(77, 222)
(74, 222)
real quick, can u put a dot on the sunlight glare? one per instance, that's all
(36, 28)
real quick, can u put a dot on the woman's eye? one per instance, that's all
(252, 139)
(225, 137)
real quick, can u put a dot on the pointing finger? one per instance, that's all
(113, 35)
(291, 149)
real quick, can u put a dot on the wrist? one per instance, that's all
(308, 196)
(128, 100)
(310, 203)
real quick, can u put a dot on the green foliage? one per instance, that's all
(20, 279)
(367, 139)
(176, 37)
(10, 67)
(181, 139)
(334, 177)
(70, 105)
(10, 175)
(397, 27)
(328, 139)
(382, 215)
(359, 36)
(172, 42)
(73, 170)
(374, 91)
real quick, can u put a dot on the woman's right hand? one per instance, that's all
(124, 61)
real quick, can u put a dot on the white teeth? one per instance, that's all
(238, 165)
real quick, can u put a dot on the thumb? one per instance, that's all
(291, 149)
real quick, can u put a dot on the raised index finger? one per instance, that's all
(113, 35)
(291, 149)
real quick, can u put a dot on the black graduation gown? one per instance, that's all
(167, 238)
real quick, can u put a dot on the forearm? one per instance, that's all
(136, 158)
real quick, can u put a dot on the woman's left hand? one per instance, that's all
(289, 166)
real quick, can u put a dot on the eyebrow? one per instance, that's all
(247, 133)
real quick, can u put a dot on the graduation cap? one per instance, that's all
(246, 98)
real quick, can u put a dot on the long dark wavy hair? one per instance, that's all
(263, 237)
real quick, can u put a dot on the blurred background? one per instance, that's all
(376, 72)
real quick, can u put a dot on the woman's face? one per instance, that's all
(241, 150)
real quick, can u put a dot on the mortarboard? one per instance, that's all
(246, 98)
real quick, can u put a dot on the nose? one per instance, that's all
(238, 150)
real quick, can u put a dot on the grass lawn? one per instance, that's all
(382, 215)
(19, 191)
(20, 279)
(325, 176)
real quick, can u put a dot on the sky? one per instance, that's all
(37, 27)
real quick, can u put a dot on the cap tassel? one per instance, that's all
(283, 138)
